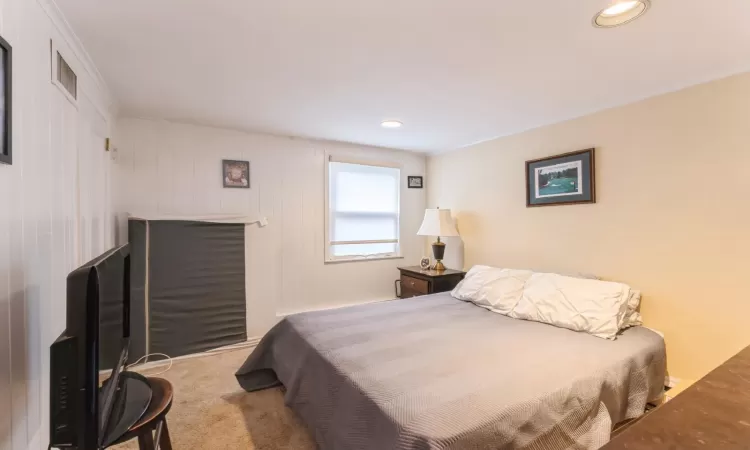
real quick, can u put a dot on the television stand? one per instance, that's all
(152, 426)
(133, 401)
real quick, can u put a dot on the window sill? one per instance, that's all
(364, 259)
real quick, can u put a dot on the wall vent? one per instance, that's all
(66, 77)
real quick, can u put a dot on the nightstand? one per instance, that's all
(415, 281)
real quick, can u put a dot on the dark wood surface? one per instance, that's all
(161, 402)
(415, 281)
(154, 419)
(712, 414)
(429, 273)
(415, 284)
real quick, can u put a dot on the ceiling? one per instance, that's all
(454, 72)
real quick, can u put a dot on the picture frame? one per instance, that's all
(415, 182)
(6, 102)
(235, 173)
(565, 179)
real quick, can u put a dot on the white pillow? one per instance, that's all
(586, 276)
(468, 288)
(496, 289)
(600, 308)
(633, 317)
(596, 307)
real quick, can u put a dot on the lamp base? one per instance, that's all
(438, 251)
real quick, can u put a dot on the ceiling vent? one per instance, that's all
(66, 77)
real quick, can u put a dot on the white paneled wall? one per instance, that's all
(166, 168)
(54, 210)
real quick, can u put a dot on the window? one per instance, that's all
(363, 210)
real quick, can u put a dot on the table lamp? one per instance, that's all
(438, 222)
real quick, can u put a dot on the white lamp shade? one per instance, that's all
(437, 222)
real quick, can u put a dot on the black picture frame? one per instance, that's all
(6, 97)
(565, 179)
(415, 182)
(229, 168)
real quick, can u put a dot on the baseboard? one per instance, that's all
(249, 344)
(671, 382)
(281, 315)
(252, 342)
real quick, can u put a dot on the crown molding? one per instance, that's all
(71, 39)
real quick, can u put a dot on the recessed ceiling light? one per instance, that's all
(621, 12)
(391, 124)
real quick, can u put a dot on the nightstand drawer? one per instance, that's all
(406, 293)
(415, 285)
(416, 281)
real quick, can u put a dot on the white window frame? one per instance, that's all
(329, 257)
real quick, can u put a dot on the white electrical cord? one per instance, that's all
(153, 354)
(216, 351)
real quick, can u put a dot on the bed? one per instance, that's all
(434, 372)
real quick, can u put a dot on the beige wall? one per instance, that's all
(672, 213)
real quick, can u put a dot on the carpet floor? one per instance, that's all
(211, 411)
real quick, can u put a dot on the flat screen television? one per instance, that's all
(86, 412)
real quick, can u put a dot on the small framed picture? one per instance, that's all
(236, 174)
(561, 180)
(6, 110)
(415, 182)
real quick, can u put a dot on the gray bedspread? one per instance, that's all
(437, 373)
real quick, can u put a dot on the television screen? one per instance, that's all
(113, 310)
(86, 403)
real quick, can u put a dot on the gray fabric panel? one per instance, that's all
(196, 286)
(137, 239)
(437, 373)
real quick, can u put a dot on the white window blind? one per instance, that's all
(363, 210)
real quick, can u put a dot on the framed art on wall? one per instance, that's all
(561, 180)
(236, 174)
(6, 96)
(414, 182)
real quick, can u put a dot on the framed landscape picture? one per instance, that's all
(561, 180)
